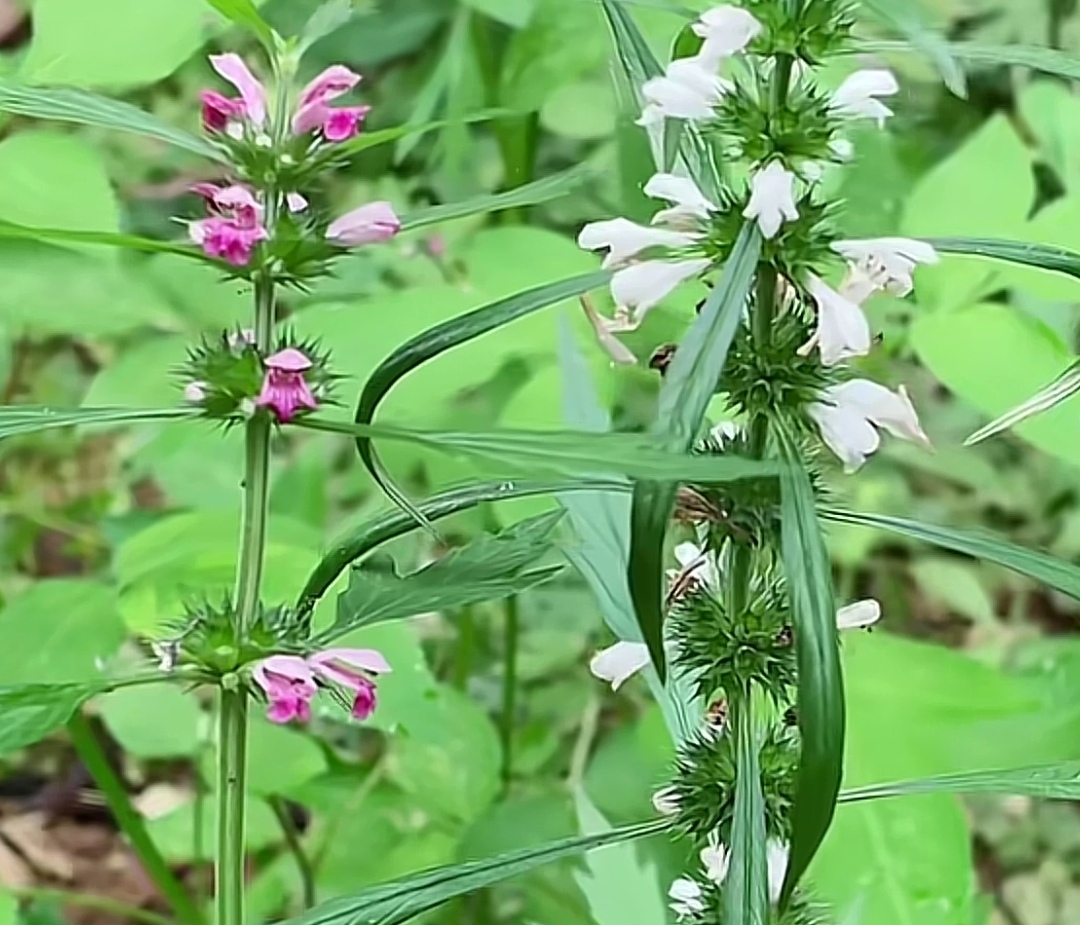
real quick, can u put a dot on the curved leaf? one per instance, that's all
(529, 194)
(1049, 570)
(84, 108)
(1045, 782)
(821, 684)
(1061, 389)
(28, 419)
(688, 387)
(400, 900)
(32, 711)
(439, 339)
(1041, 256)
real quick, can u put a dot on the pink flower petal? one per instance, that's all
(308, 118)
(365, 659)
(368, 224)
(330, 84)
(343, 124)
(289, 360)
(218, 110)
(292, 667)
(296, 202)
(233, 69)
(364, 702)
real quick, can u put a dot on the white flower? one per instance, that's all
(643, 285)
(842, 148)
(776, 860)
(666, 801)
(617, 663)
(624, 239)
(857, 95)
(842, 329)
(890, 262)
(715, 859)
(860, 615)
(195, 391)
(695, 564)
(849, 414)
(725, 432)
(686, 91)
(688, 203)
(726, 30)
(606, 329)
(772, 198)
(686, 898)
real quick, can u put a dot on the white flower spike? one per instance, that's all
(842, 329)
(686, 898)
(860, 615)
(725, 30)
(849, 414)
(889, 262)
(688, 90)
(643, 285)
(858, 95)
(619, 662)
(772, 198)
(624, 239)
(688, 204)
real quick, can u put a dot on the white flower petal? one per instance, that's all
(842, 329)
(892, 259)
(643, 285)
(891, 410)
(726, 431)
(686, 898)
(846, 432)
(859, 615)
(666, 801)
(726, 30)
(687, 201)
(619, 662)
(715, 859)
(697, 563)
(849, 413)
(686, 91)
(776, 860)
(772, 198)
(842, 148)
(624, 239)
(857, 95)
(605, 329)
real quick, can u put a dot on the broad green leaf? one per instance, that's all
(174, 832)
(558, 453)
(1041, 256)
(398, 902)
(1048, 570)
(746, 889)
(820, 701)
(83, 108)
(909, 19)
(28, 419)
(32, 711)
(1061, 389)
(529, 194)
(244, 13)
(688, 386)
(994, 358)
(58, 631)
(490, 567)
(1052, 111)
(158, 721)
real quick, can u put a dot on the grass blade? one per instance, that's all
(1045, 782)
(1045, 60)
(400, 900)
(1049, 570)
(1061, 389)
(81, 107)
(104, 238)
(1041, 256)
(28, 419)
(746, 889)
(821, 685)
(909, 19)
(688, 387)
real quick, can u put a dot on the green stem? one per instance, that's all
(231, 807)
(296, 849)
(463, 651)
(509, 688)
(130, 821)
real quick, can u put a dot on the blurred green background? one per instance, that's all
(105, 533)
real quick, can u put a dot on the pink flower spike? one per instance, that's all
(284, 389)
(252, 93)
(219, 110)
(367, 225)
(330, 84)
(343, 124)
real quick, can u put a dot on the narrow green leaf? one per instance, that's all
(687, 389)
(104, 238)
(530, 194)
(542, 453)
(244, 13)
(1045, 782)
(1049, 570)
(401, 900)
(28, 419)
(1061, 389)
(396, 523)
(821, 685)
(438, 340)
(1047, 60)
(84, 108)
(328, 18)
(746, 889)
(489, 567)
(367, 140)
(32, 711)
(909, 19)
(1041, 256)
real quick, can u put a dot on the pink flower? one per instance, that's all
(367, 225)
(343, 124)
(284, 389)
(314, 113)
(289, 685)
(226, 239)
(335, 81)
(252, 102)
(290, 681)
(218, 111)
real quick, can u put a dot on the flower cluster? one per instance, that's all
(290, 682)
